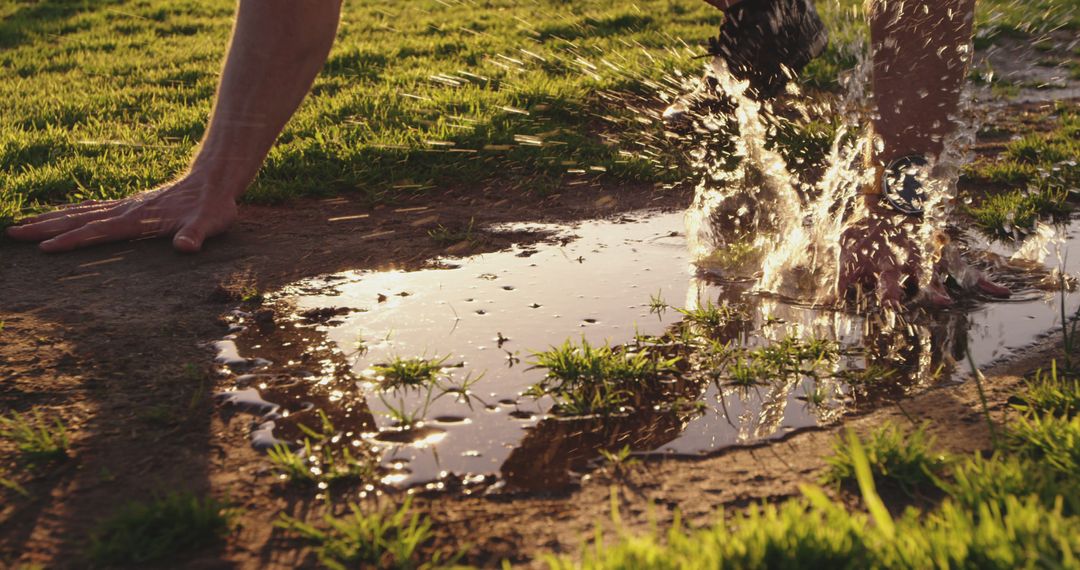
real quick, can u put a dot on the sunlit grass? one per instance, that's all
(369, 538)
(35, 437)
(583, 378)
(1016, 508)
(1040, 168)
(411, 372)
(326, 457)
(415, 98)
(905, 458)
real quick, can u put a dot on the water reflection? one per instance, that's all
(487, 314)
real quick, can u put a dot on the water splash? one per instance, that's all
(758, 219)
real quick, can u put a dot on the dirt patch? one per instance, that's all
(111, 340)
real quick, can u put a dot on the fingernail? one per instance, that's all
(185, 243)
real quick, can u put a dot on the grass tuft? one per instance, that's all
(166, 529)
(1051, 440)
(325, 458)
(365, 540)
(1047, 393)
(586, 379)
(413, 372)
(35, 438)
(904, 458)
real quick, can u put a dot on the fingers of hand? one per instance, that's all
(98, 231)
(190, 237)
(990, 288)
(53, 224)
(935, 295)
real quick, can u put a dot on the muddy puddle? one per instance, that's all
(482, 318)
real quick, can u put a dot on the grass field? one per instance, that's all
(103, 98)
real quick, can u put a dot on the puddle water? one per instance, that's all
(459, 413)
(487, 314)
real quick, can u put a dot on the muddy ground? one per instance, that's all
(112, 340)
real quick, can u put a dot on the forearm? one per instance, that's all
(277, 49)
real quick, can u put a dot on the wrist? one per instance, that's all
(230, 176)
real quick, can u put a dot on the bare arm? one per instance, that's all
(277, 49)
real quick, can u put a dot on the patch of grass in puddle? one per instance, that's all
(1003, 214)
(324, 459)
(369, 539)
(37, 439)
(411, 372)
(904, 458)
(783, 360)
(712, 316)
(166, 529)
(585, 379)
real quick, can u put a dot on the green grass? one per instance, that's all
(713, 317)
(1051, 393)
(1015, 508)
(36, 439)
(1042, 169)
(444, 235)
(324, 459)
(374, 539)
(905, 458)
(12, 485)
(814, 532)
(413, 372)
(166, 529)
(103, 98)
(586, 379)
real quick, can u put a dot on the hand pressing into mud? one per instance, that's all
(878, 252)
(189, 210)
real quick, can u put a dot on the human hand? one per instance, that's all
(189, 210)
(878, 252)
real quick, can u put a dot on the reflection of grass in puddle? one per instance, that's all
(164, 529)
(325, 458)
(376, 538)
(904, 458)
